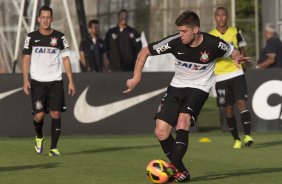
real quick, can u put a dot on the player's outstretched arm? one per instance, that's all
(26, 83)
(139, 65)
(67, 66)
(238, 58)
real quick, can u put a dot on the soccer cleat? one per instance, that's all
(54, 152)
(38, 145)
(248, 140)
(171, 170)
(181, 177)
(237, 144)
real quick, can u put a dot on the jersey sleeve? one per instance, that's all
(27, 49)
(64, 47)
(163, 46)
(240, 39)
(224, 49)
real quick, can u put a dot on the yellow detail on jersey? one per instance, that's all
(224, 66)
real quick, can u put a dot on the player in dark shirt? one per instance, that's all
(93, 55)
(123, 44)
(271, 54)
(195, 53)
(42, 51)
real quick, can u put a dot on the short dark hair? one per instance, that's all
(92, 21)
(45, 8)
(222, 8)
(188, 18)
(121, 11)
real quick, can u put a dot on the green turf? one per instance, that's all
(122, 160)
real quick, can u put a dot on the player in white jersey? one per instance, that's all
(41, 53)
(195, 54)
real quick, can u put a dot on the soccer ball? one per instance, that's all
(156, 171)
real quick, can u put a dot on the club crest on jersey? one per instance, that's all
(204, 56)
(54, 41)
(131, 35)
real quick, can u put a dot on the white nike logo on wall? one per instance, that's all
(86, 113)
(8, 93)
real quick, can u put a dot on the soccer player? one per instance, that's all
(195, 53)
(42, 49)
(230, 85)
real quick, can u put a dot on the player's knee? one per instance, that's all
(184, 121)
(38, 117)
(55, 114)
(241, 104)
(229, 111)
(161, 133)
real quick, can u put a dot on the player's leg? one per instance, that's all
(55, 132)
(192, 103)
(240, 93)
(56, 105)
(163, 133)
(38, 99)
(181, 141)
(232, 125)
(225, 99)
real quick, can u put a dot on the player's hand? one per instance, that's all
(131, 84)
(71, 89)
(26, 87)
(241, 60)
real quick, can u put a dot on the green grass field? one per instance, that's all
(122, 159)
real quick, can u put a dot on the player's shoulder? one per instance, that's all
(113, 29)
(33, 33)
(58, 33)
(213, 31)
(210, 38)
(233, 29)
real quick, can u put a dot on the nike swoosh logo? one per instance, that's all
(8, 93)
(86, 113)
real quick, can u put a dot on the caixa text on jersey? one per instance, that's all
(190, 66)
(45, 50)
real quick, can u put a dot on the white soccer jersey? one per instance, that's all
(194, 66)
(45, 51)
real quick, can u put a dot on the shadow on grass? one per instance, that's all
(223, 175)
(26, 167)
(111, 149)
(267, 144)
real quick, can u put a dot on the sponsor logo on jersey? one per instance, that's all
(26, 42)
(54, 41)
(41, 50)
(223, 46)
(163, 48)
(191, 66)
(204, 56)
(65, 42)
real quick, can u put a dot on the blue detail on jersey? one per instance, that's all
(45, 50)
(191, 66)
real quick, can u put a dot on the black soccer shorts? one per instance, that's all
(47, 96)
(231, 90)
(181, 100)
